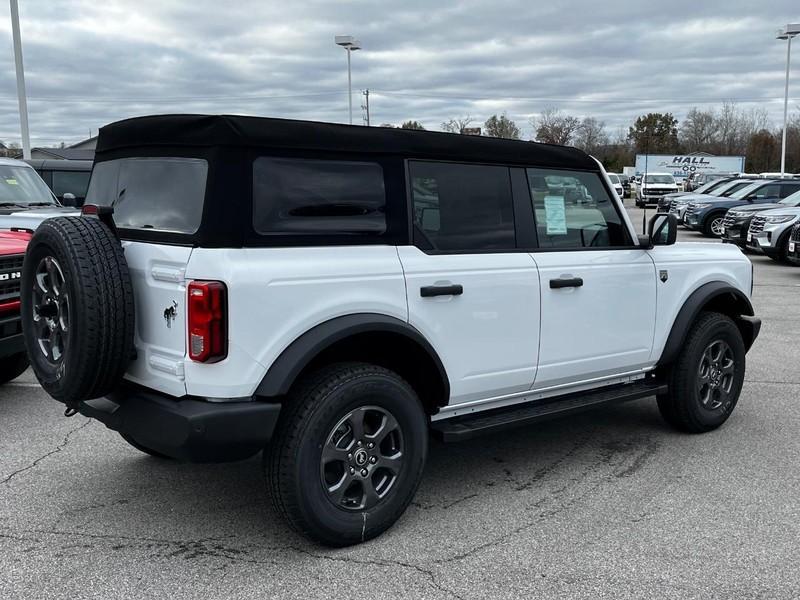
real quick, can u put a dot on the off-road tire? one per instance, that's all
(12, 366)
(96, 280)
(292, 460)
(144, 449)
(681, 406)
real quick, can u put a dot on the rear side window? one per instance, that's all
(161, 194)
(70, 182)
(574, 210)
(787, 189)
(461, 207)
(305, 196)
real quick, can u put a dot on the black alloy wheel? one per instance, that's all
(362, 458)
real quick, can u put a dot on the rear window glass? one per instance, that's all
(162, 194)
(70, 182)
(303, 196)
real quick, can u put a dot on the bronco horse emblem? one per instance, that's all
(170, 313)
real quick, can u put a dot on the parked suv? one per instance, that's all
(793, 250)
(333, 294)
(25, 199)
(708, 216)
(697, 180)
(679, 205)
(69, 179)
(737, 222)
(653, 187)
(665, 202)
(13, 360)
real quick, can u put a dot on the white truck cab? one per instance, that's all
(653, 187)
(333, 295)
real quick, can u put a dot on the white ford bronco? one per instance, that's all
(334, 295)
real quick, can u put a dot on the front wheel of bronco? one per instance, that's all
(348, 453)
(706, 379)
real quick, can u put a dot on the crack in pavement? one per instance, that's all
(56, 450)
(214, 548)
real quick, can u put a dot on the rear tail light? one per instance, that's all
(208, 316)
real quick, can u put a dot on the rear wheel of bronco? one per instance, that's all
(77, 308)
(706, 379)
(348, 453)
(13, 366)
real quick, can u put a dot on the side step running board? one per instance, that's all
(468, 426)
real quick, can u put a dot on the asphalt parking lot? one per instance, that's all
(607, 504)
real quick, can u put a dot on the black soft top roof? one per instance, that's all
(285, 134)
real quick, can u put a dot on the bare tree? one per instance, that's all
(552, 127)
(591, 135)
(698, 130)
(501, 127)
(457, 125)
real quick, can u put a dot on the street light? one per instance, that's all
(787, 33)
(21, 97)
(349, 43)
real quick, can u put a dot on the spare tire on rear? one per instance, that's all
(77, 309)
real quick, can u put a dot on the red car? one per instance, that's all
(13, 359)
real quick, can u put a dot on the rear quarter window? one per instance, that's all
(294, 196)
(160, 194)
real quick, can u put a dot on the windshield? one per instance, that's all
(730, 188)
(707, 187)
(613, 178)
(668, 179)
(743, 192)
(793, 200)
(22, 186)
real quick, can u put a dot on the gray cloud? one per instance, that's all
(90, 63)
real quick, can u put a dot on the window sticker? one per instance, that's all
(555, 215)
(12, 182)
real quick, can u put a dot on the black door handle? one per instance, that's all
(565, 282)
(429, 291)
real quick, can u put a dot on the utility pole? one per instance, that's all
(365, 107)
(21, 97)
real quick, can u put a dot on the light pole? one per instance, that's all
(349, 43)
(23, 101)
(787, 33)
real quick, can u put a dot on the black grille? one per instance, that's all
(757, 224)
(10, 276)
(728, 220)
(796, 233)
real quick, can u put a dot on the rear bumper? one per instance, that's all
(189, 429)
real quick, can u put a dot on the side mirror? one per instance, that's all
(68, 199)
(663, 229)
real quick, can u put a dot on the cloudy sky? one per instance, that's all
(89, 63)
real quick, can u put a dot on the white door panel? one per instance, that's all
(604, 326)
(487, 337)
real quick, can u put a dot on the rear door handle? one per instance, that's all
(429, 291)
(565, 282)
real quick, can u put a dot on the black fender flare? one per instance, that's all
(296, 356)
(739, 308)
